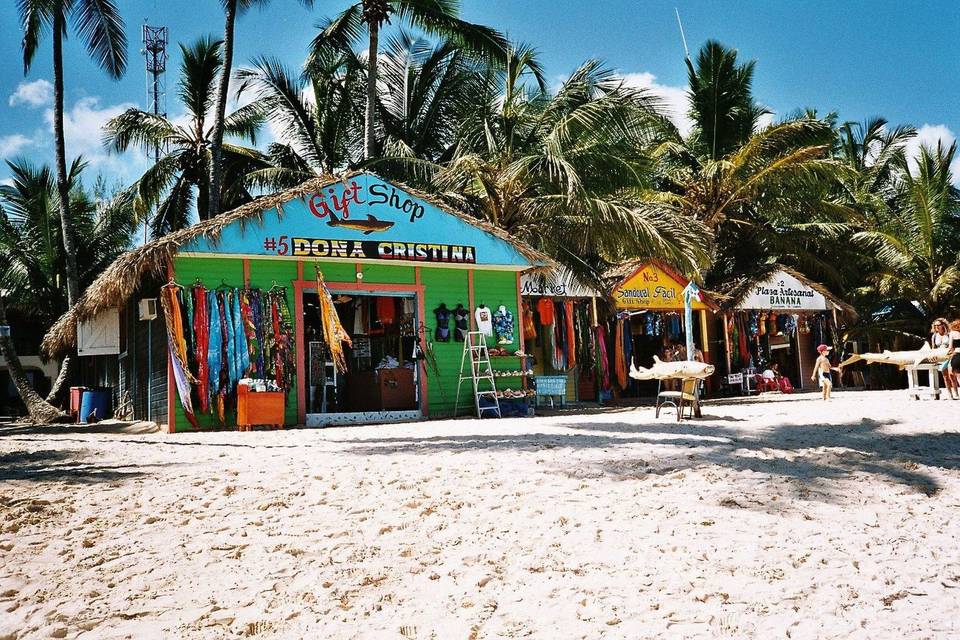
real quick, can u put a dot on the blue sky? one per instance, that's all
(863, 58)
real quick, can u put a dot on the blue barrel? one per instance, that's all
(97, 401)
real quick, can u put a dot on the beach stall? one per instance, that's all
(648, 299)
(781, 320)
(343, 300)
(559, 320)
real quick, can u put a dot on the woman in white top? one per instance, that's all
(942, 338)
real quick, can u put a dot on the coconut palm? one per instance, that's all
(917, 244)
(435, 17)
(231, 9)
(426, 90)
(183, 171)
(316, 111)
(33, 260)
(767, 192)
(100, 28)
(875, 153)
(563, 171)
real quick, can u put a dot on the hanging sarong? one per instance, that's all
(571, 336)
(603, 361)
(170, 301)
(334, 335)
(250, 331)
(201, 331)
(529, 326)
(241, 350)
(214, 344)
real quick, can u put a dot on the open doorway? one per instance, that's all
(382, 380)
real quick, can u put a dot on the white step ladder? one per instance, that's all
(480, 374)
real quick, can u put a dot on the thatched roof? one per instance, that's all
(120, 280)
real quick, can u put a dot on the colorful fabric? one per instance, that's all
(201, 331)
(545, 311)
(571, 335)
(503, 325)
(241, 349)
(334, 335)
(214, 344)
(529, 326)
(170, 301)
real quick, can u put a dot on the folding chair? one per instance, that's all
(685, 398)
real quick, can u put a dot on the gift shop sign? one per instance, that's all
(362, 218)
(652, 287)
(784, 291)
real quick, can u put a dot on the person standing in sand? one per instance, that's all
(942, 338)
(821, 371)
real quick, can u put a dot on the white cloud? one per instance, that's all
(6, 182)
(927, 136)
(83, 132)
(765, 120)
(674, 99)
(12, 144)
(32, 94)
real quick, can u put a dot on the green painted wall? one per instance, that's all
(215, 271)
(445, 285)
(448, 286)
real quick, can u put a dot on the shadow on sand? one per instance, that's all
(70, 466)
(808, 453)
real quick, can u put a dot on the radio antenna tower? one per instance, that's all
(155, 40)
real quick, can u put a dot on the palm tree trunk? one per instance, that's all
(369, 125)
(216, 147)
(63, 187)
(61, 380)
(39, 409)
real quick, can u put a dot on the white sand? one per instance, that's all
(785, 519)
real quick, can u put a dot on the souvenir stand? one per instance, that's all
(781, 320)
(343, 300)
(559, 318)
(648, 299)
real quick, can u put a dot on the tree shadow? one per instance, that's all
(808, 453)
(49, 465)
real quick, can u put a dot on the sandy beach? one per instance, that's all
(788, 518)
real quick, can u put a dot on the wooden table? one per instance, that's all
(915, 389)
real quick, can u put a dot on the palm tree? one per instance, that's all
(169, 185)
(767, 193)
(33, 259)
(563, 171)
(875, 153)
(435, 17)
(231, 9)
(317, 111)
(101, 30)
(916, 246)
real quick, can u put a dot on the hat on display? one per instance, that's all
(823, 348)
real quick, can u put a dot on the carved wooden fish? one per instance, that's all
(680, 370)
(900, 358)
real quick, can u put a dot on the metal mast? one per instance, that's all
(155, 40)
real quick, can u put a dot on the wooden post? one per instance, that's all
(703, 332)
(726, 341)
(593, 310)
